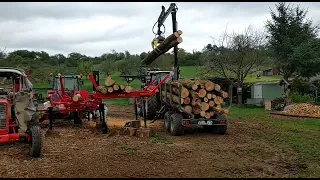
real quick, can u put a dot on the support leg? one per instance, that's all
(144, 112)
(136, 107)
(50, 117)
(104, 126)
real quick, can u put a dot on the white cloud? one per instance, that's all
(94, 28)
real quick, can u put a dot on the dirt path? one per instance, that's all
(80, 152)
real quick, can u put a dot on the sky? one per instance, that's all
(94, 28)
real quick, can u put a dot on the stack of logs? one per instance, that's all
(111, 86)
(199, 98)
(169, 42)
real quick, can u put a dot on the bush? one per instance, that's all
(298, 98)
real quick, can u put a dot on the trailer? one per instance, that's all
(176, 120)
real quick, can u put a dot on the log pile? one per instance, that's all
(303, 110)
(169, 42)
(110, 86)
(199, 98)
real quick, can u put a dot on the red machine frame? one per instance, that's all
(146, 92)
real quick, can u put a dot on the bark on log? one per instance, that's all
(175, 89)
(194, 94)
(196, 109)
(109, 81)
(175, 98)
(161, 48)
(102, 89)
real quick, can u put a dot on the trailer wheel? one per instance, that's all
(176, 128)
(35, 141)
(77, 119)
(167, 121)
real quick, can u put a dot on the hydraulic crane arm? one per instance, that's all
(163, 16)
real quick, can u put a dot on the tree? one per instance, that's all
(234, 55)
(85, 68)
(106, 66)
(293, 41)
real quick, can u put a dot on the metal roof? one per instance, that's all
(12, 70)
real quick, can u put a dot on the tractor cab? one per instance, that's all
(72, 84)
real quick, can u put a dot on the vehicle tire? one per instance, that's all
(220, 129)
(35, 141)
(152, 107)
(176, 128)
(167, 121)
(77, 119)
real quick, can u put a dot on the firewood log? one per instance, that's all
(109, 81)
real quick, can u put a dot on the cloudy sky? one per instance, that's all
(98, 27)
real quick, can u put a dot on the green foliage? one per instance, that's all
(292, 41)
(296, 97)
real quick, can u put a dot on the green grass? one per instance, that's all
(160, 139)
(301, 135)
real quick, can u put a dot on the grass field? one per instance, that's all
(298, 135)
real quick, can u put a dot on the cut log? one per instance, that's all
(102, 89)
(202, 93)
(209, 96)
(207, 115)
(115, 87)
(188, 84)
(175, 89)
(217, 87)
(76, 97)
(109, 81)
(202, 86)
(205, 99)
(187, 108)
(186, 100)
(213, 96)
(224, 94)
(179, 32)
(196, 109)
(122, 87)
(202, 113)
(128, 89)
(211, 103)
(209, 85)
(211, 113)
(195, 101)
(220, 99)
(194, 94)
(204, 106)
(175, 98)
(161, 48)
(197, 82)
(110, 89)
(217, 101)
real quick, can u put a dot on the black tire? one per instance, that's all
(167, 120)
(220, 129)
(35, 141)
(152, 107)
(77, 119)
(176, 128)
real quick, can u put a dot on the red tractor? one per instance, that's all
(17, 111)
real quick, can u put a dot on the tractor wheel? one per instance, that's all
(77, 119)
(176, 128)
(35, 141)
(167, 121)
(222, 129)
(152, 106)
